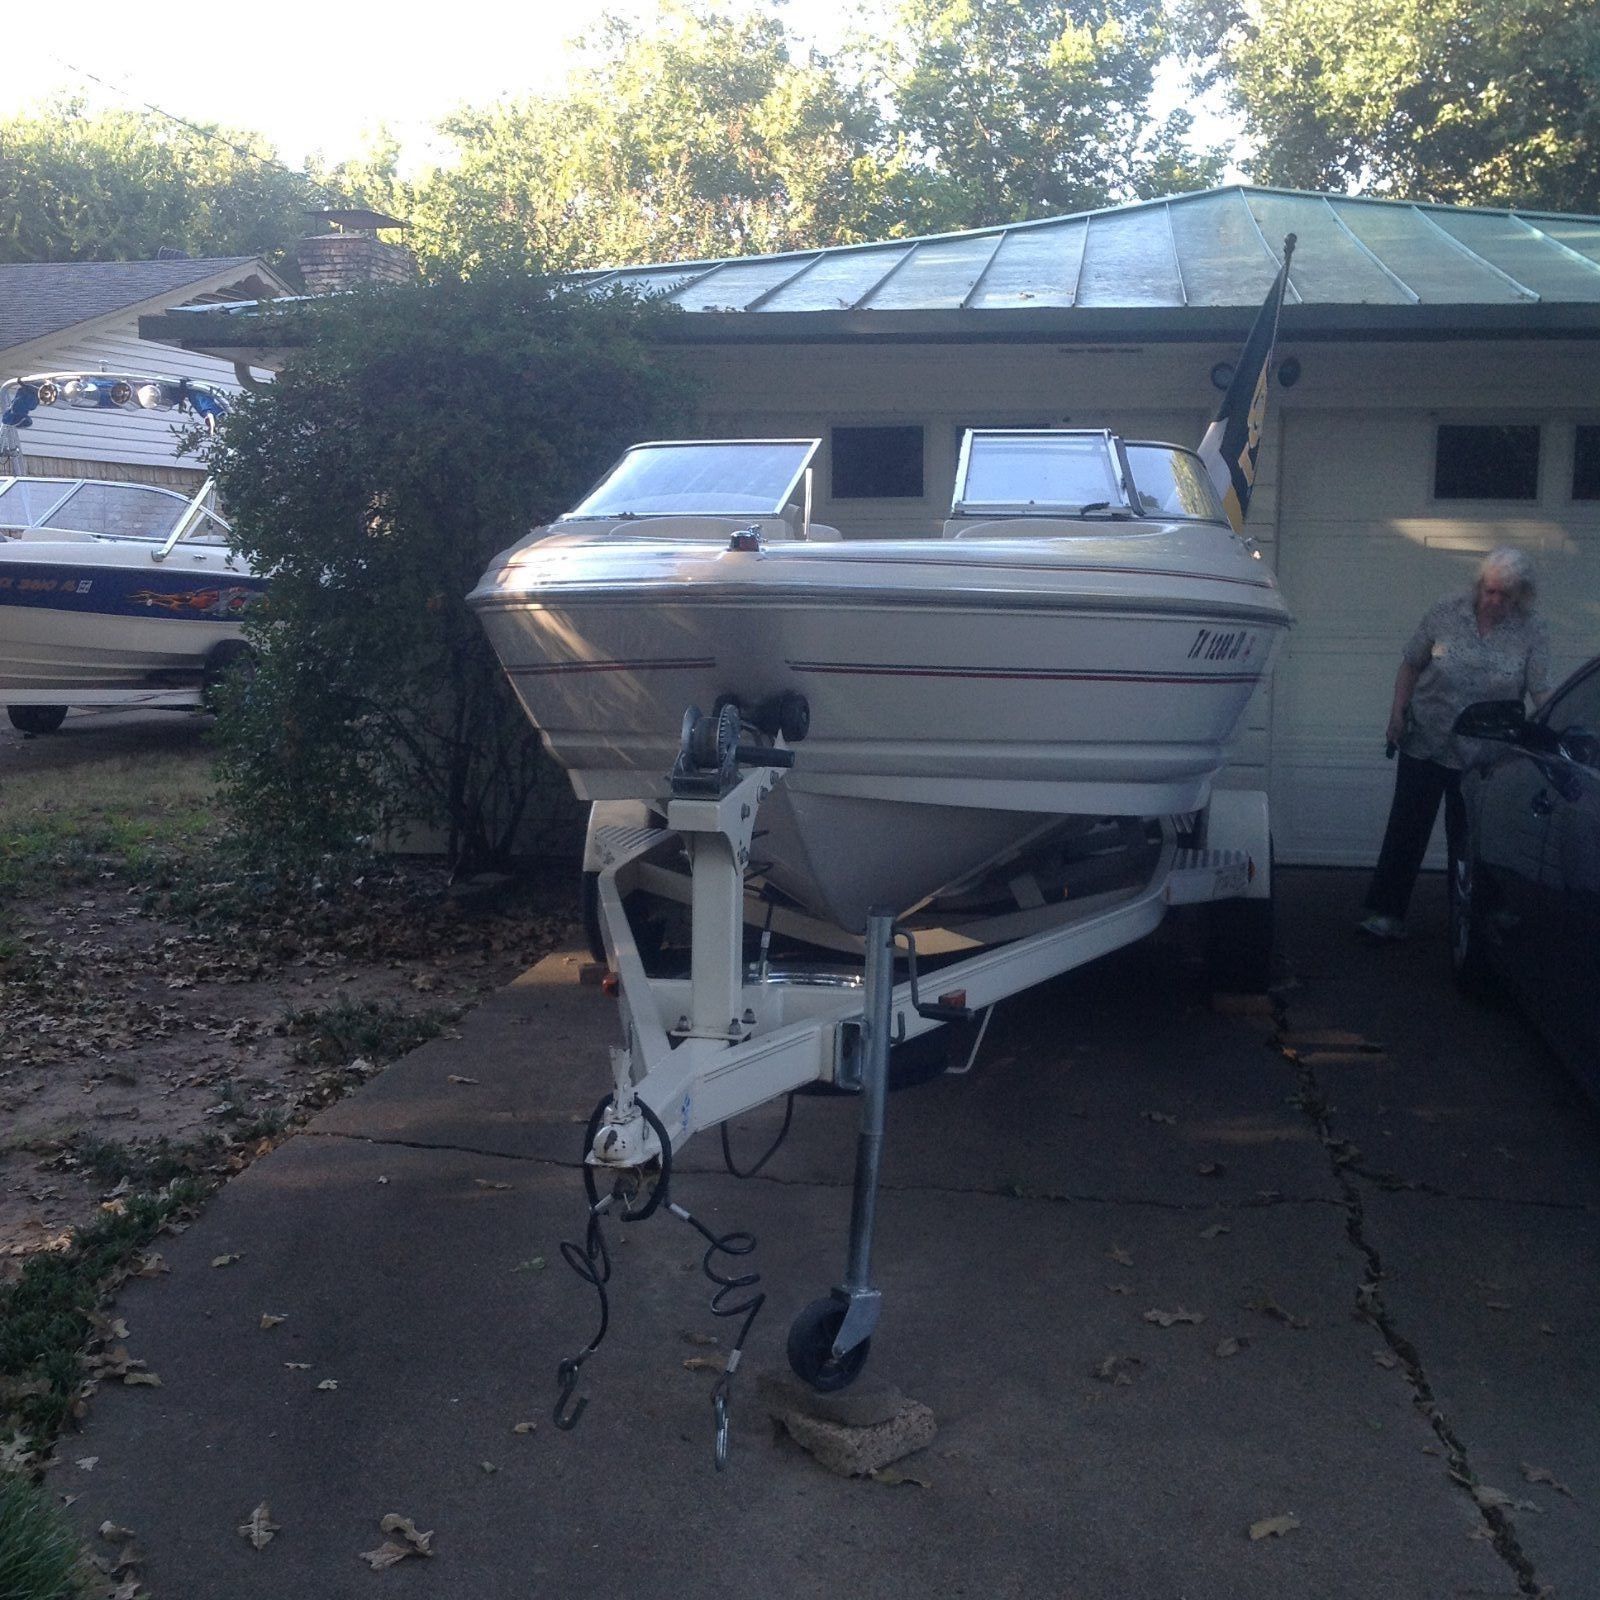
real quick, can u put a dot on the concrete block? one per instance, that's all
(855, 1432)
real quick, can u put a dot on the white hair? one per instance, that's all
(1513, 564)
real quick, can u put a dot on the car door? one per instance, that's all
(1568, 898)
(1511, 820)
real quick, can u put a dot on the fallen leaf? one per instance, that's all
(689, 1336)
(298, 1366)
(489, 1183)
(1159, 1116)
(149, 1379)
(1273, 1527)
(534, 1264)
(1546, 1476)
(259, 1527)
(1497, 1305)
(702, 1364)
(1386, 1358)
(151, 1266)
(1119, 1255)
(1211, 1169)
(524, 1427)
(891, 1476)
(1268, 1307)
(407, 1529)
(386, 1555)
(488, 1466)
(329, 1383)
(1215, 1231)
(1118, 1370)
(1544, 1327)
(1166, 1319)
(227, 1260)
(1120, 1288)
(112, 1534)
(456, 1077)
(271, 1319)
(1230, 1347)
(87, 1463)
(1492, 1499)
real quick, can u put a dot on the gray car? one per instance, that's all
(1525, 890)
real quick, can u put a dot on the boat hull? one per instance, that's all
(960, 699)
(94, 624)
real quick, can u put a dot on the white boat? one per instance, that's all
(111, 594)
(1083, 641)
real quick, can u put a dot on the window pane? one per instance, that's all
(1475, 462)
(28, 499)
(1586, 464)
(1039, 472)
(729, 477)
(1172, 483)
(877, 463)
(121, 510)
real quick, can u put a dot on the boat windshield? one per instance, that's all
(705, 477)
(1038, 472)
(24, 501)
(1172, 483)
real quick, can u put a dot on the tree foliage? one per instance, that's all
(121, 185)
(1030, 108)
(1485, 102)
(710, 134)
(418, 431)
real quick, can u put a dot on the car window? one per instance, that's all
(1574, 716)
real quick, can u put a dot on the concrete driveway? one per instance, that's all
(1384, 1212)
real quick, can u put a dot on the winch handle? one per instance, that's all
(763, 755)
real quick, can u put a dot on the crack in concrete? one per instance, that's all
(1393, 1183)
(1370, 1307)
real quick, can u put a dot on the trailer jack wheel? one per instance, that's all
(811, 1356)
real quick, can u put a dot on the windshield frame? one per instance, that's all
(962, 507)
(1130, 445)
(809, 448)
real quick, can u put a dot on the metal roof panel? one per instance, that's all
(1224, 257)
(735, 284)
(840, 279)
(1034, 267)
(1405, 240)
(1522, 252)
(937, 275)
(1128, 260)
(1329, 265)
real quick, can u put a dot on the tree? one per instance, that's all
(1031, 108)
(419, 430)
(1482, 102)
(120, 185)
(710, 135)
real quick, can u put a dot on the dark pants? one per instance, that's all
(1418, 788)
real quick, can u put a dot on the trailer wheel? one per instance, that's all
(649, 932)
(36, 719)
(811, 1356)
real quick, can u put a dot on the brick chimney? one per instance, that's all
(350, 253)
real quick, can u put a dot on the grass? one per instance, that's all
(39, 1557)
(345, 1031)
(46, 1315)
(125, 817)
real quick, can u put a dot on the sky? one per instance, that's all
(320, 76)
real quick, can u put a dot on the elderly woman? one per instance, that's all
(1486, 644)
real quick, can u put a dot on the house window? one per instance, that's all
(877, 463)
(1486, 462)
(1586, 463)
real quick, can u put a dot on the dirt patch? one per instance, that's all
(158, 1015)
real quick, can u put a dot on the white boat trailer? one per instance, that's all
(732, 1036)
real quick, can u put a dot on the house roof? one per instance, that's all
(1191, 267)
(39, 298)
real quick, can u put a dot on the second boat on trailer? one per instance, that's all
(999, 746)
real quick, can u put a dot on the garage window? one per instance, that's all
(877, 463)
(1586, 463)
(1475, 461)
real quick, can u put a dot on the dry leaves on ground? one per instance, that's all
(388, 1553)
(1168, 1319)
(259, 1527)
(1274, 1527)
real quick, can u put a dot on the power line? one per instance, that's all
(204, 132)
